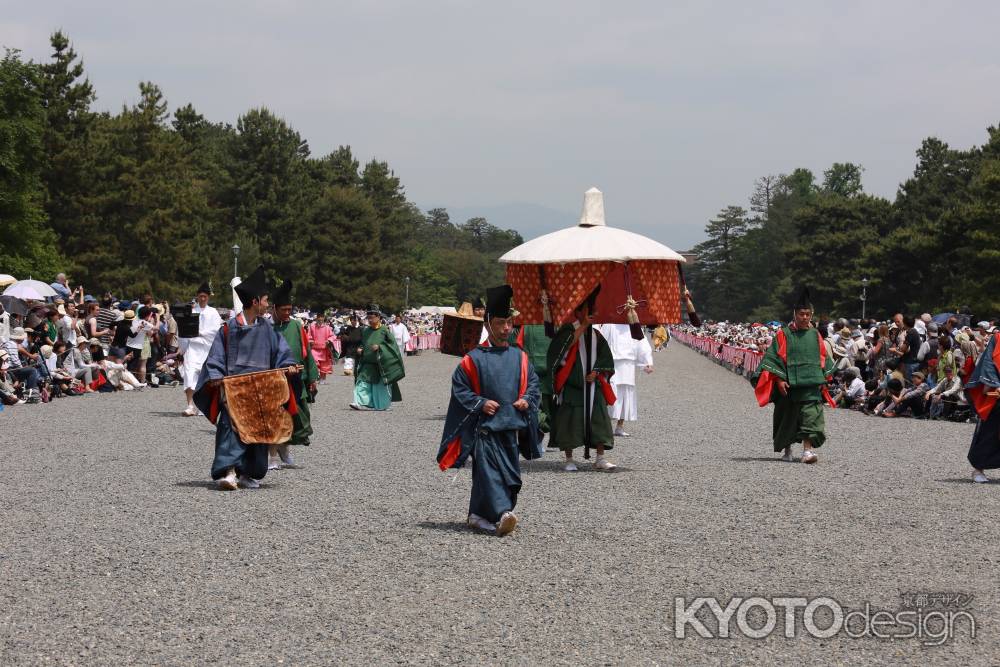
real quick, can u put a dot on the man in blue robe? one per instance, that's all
(493, 416)
(247, 343)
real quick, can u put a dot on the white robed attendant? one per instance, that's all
(628, 354)
(401, 333)
(195, 350)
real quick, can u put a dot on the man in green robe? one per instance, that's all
(532, 339)
(793, 375)
(379, 368)
(294, 333)
(580, 364)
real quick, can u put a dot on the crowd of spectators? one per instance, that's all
(75, 344)
(904, 367)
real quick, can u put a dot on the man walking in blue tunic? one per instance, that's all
(247, 343)
(492, 417)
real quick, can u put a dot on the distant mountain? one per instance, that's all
(529, 220)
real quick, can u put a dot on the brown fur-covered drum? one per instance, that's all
(256, 403)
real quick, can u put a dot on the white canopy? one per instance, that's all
(590, 241)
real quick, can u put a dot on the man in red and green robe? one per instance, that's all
(580, 365)
(793, 375)
(983, 390)
(294, 333)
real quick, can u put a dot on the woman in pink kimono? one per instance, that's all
(321, 340)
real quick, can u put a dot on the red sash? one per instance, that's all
(767, 380)
(468, 366)
(977, 395)
(562, 375)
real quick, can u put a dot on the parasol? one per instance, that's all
(34, 290)
(14, 305)
(6, 279)
(640, 278)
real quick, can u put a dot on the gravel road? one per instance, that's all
(116, 549)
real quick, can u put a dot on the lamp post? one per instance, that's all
(236, 260)
(864, 296)
(407, 281)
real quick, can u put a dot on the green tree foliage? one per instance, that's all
(931, 249)
(27, 244)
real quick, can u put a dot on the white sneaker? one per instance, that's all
(620, 433)
(228, 483)
(273, 462)
(190, 411)
(980, 478)
(570, 467)
(248, 482)
(787, 456)
(809, 456)
(507, 523)
(601, 463)
(479, 522)
(286, 456)
(354, 406)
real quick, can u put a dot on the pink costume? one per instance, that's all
(319, 338)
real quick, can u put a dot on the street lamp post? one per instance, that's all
(407, 281)
(236, 260)
(864, 296)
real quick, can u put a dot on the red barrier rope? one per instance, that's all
(737, 358)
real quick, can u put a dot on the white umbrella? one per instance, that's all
(553, 273)
(6, 279)
(30, 289)
(590, 241)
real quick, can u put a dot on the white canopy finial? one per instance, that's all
(593, 209)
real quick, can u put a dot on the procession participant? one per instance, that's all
(628, 353)
(983, 390)
(296, 337)
(478, 308)
(580, 365)
(400, 333)
(195, 350)
(321, 342)
(350, 342)
(492, 417)
(247, 343)
(793, 375)
(379, 368)
(532, 339)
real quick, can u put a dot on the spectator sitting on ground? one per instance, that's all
(852, 394)
(911, 401)
(21, 366)
(946, 396)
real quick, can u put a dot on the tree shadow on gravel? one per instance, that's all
(552, 466)
(448, 526)
(210, 485)
(751, 459)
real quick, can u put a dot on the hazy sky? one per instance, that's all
(672, 109)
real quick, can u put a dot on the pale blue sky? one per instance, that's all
(673, 109)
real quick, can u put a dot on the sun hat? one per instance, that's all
(46, 351)
(18, 334)
(129, 314)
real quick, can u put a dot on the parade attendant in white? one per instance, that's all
(195, 350)
(400, 333)
(628, 354)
